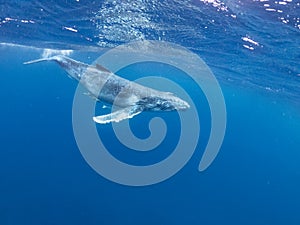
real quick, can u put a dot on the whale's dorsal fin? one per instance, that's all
(119, 115)
(99, 67)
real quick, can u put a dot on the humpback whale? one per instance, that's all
(130, 97)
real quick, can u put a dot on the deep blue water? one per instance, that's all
(253, 49)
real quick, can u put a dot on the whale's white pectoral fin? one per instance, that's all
(119, 115)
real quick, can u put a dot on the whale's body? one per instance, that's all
(132, 98)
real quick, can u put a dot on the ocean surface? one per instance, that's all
(253, 49)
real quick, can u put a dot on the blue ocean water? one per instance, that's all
(253, 49)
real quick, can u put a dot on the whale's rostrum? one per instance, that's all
(130, 97)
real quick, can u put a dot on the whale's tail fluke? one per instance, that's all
(74, 68)
(55, 58)
(37, 60)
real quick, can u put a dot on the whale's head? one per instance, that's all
(174, 103)
(166, 102)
